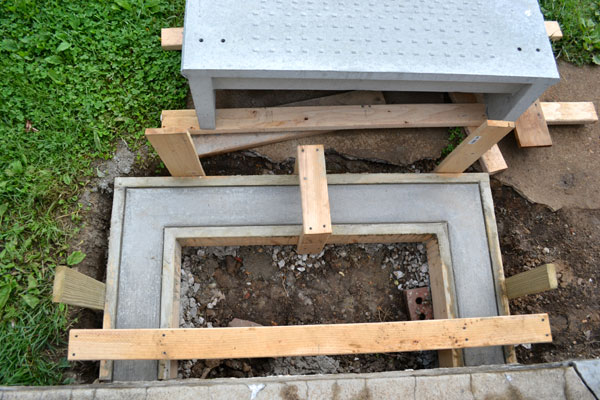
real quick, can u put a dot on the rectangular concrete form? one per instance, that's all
(499, 48)
(144, 207)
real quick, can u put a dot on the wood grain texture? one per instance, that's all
(477, 143)
(177, 152)
(77, 289)
(316, 217)
(320, 118)
(306, 340)
(533, 281)
(171, 38)
(569, 113)
(492, 160)
(553, 30)
(531, 129)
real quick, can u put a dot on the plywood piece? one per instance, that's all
(177, 152)
(306, 340)
(553, 30)
(569, 113)
(77, 289)
(171, 38)
(531, 129)
(533, 281)
(477, 143)
(316, 217)
(492, 160)
(323, 118)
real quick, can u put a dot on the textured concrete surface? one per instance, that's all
(544, 381)
(589, 370)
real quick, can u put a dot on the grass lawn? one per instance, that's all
(74, 77)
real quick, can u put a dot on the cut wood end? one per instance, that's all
(500, 124)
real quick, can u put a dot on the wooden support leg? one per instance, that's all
(531, 129)
(473, 147)
(491, 161)
(177, 151)
(534, 281)
(316, 219)
(77, 289)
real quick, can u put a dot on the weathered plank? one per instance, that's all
(316, 217)
(533, 281)
(477, 143)
(569, 113)
(553, 30)
(306, 340)
(177, 152)
(531, 129)
(77, 289)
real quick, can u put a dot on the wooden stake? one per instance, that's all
(306, 340)
(316, 219)
(533, 281)
(176, 149)
(77, 289)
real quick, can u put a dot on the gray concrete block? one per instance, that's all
(177, 393)
(284, 390)
(341, 389)
(229, 391)
(391, 388)
(575, 388)
(22, 395)
(589, 370)
(83, 394)
(448, 387)
(120, 393)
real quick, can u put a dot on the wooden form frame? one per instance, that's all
(123, 184)
(434, 235)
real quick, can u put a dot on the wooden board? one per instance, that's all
(552, 29)
(172, 38)
(533, 281)
(74, 288)
(492, 160)
(208, 145)
(569, 113)
(477, 143)
(306, 340)
(316, 218)
(531, 129)
(177, 152)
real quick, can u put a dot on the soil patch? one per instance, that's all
(273, 285)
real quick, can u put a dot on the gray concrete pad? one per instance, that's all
(589, 371)
(145, 206)
(544, 381)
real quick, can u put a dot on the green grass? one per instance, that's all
(580, 23)
(74, 77)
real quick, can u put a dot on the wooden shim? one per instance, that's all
(306, 340)
(569, 113)
(177, 151)
(171, 38)
(77, 289)
(208, 145)
(553, 30)
(316, 219)
(323, 118)
(492, 160)
(533, 281)
(477, 143)
(531, 129)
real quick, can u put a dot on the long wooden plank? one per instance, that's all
(77, 289)
(172, 38)
(492, 160)
(531, 129)
(316, 218)
(477, 143)
(177, 151)
(306, 340)
(287, 119)
(208, 145)
(533, 281)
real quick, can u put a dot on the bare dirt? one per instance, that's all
(273, 286)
